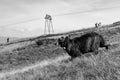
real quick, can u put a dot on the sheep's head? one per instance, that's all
(63, 41)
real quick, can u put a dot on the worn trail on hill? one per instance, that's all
(40, 64)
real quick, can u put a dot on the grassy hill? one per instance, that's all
(25, 60)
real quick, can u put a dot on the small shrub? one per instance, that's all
(21, 48)
(39, 42)
(89, 76)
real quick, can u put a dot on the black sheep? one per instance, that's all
(89, 42)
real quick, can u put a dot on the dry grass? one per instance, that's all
(104, 66)
(27, 55)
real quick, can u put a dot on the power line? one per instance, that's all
(35, 19)
(86, 11)
(70, 13)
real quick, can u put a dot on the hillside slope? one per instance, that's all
(21, 60)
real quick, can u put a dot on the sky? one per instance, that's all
(25, 18)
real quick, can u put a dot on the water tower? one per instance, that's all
(48, 25)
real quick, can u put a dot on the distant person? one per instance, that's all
(7, 40)
(99, 24)
(96, 25)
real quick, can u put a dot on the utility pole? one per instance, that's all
(48, 24)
